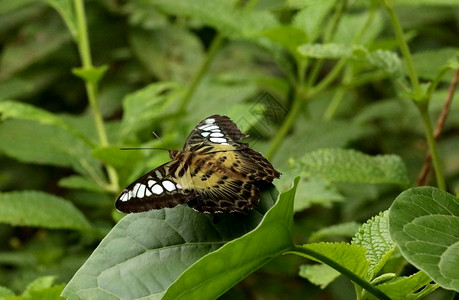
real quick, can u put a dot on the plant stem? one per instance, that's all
(432, 145)
(422, 178)
(349, 274)
(420, 98)
(91, 86)
(404, 48)
(327, 38)
(298, 102)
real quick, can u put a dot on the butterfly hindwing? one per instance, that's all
(157, 189)
(228, 181)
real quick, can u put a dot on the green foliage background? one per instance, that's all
(327, 90)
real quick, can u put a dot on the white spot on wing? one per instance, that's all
(218, 140)
(224, 144)
(179, 186)
(151, 183)
(158, 174)
(205, 134)
(204, 127)
(210, 121)
(148, 193)
(136, 188)
(124, 197)
(213, 127)
(216, 134)
(157, 189)
(168, 185)
(141, 192)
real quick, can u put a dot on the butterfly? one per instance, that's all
(214, 172)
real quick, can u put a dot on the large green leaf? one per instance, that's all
(170, 53)
(342, 165)
(33, 208)
(217, 272)
(223, 15)
(424, 223)
(48, 144)
(311, 18)
(65, 9)
(144, 253)
(36, 43)
(23, 111)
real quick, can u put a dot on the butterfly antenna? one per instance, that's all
(146, 148)
(157, 136)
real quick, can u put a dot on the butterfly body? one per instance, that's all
(213, 173)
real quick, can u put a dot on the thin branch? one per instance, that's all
(427, 167)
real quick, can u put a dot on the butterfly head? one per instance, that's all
(174, 154)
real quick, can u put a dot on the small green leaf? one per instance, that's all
(340, 165)
(39, 284)
(387, 61)
(79, 182)
(33, 208)
(330, 51)
(217, 272)
(424, 223)
(145, 252)
(287, 36)
(349, 257)
(374, 237)
(344, 229)
(412, 287)
(145, 105)
(321, 275)
(429, 63)
(92, 74)
(51, 293)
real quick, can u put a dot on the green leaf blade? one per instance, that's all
(374, 237)
(217, 272)
(33, 208)
(424, 223)
(144, 253)
(341, 165)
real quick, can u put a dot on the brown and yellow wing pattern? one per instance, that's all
(214, 173)
(229, 181)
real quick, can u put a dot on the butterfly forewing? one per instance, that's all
(215, 172)
(157, 189)
(215, 133)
